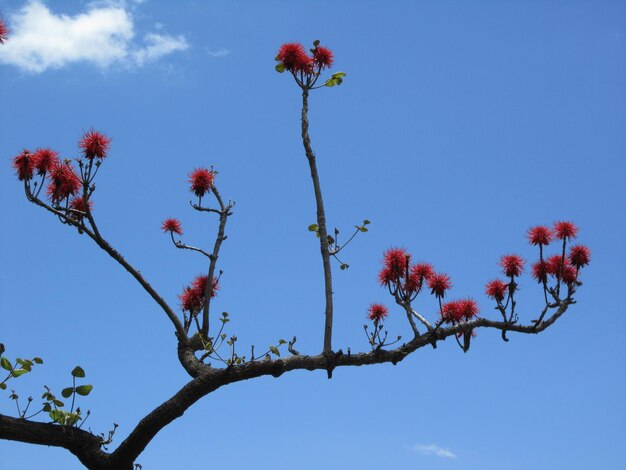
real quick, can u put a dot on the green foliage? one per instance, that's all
(19, 368)
(335, 80)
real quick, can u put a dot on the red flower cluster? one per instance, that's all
(439, 284)
(24, 164)
(294, 58)
(579, 256)
(201, 181)
(377, 312)
(4, 31)
(512, 265)
(459, 310)
(496, 289)
(556, 266)
(541, 269)
(192, 298)
(63, 182)
(94, 144)
(395, 265)
(172, 225)
(323, 57)
(78, 204)
(398, 273)
(565, 230)
(540, 235)
(44, 160)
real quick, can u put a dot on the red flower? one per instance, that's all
(395, 261)
(44, 160)
(377, 312)
(418, 273)
(457, 310)
(451, 312)
(561, 268)
(496, 289)
(541, 269)
(294, 58)
(24, 165)
(540, 235)
(512, 265)
(94, 144)
(553, 265)
(192, 297)
(200, 283)
(190, 300)
(579, 256)
(569, 274)
(4, 31)
(172, 225)
(564, 230)
(78, 203)
(201, 181)
(468, 308)
(439, 284)
(323, 57)
(63, 182)
(422, 271)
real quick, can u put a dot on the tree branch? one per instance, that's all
(321, 223)
(87, 446)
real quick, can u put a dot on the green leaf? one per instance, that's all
(57, 416)
(3, 386)
(335, 79)
(316, 42)
(344, 266)
(67, 392)
(282, 341)
(6, 365)
(78, 372)
(18, 372)
(363, 229)
(47, 407)
(38, 360)
(275, 350)
(313, 228)
(57, 403)
(366, 222)
(280, 68)
(84, 390)
(71, 419)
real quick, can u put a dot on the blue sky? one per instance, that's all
(459, 126)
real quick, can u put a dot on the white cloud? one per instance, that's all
(158, 46)
(433, 449)
(102, 35)
(221, 52)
